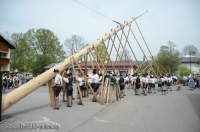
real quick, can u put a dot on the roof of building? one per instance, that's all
(89, 64)
(6, 42)
(188, 59)
(50, 66)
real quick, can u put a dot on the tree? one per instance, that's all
(171, 46)
(188, 49)
(102, 52)
(35, 48)
(46, 46)
(74, 44)
(124, 55)
(39, 63)
(182, 71)
(168, 58)
(20, 56)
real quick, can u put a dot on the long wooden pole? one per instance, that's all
(78, 87)
(146, 43)
(16, 95)
(124, 51)
(109, 60)
(86, 80)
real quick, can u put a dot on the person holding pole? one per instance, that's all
(80, 84)
(57, 85)
(69, 87)
(94, 84)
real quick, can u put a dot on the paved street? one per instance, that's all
(178, 111)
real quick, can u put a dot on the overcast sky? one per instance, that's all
(167, 20)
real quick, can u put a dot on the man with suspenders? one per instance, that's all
(57, 85)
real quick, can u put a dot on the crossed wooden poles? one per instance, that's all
(16, 95)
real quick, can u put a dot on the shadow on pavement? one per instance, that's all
(194, 100)
(6, 116)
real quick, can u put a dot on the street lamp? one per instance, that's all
(191, 52)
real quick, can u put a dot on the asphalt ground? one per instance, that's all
(177, 111)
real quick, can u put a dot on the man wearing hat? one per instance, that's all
(57, 85)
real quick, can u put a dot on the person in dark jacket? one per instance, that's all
(69, 87)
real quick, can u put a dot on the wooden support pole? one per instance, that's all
(156, 65)
(51, 94)
(108, 92)
(162, 67)
(131, 47)
(113, 41)
(140, 66)
(101, 90)
(124, 51)
(100, 60)
(80, 94)
(120, 58)
(87, 81)
(64, 91)
(140, 47)
(118, 46)
(110, 60)
(105, 90)
(86, 73)
(118, 92)
(91, 60)
(145, 68)
(98, 67)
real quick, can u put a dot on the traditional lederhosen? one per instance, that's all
(58, 88)
(94, 84)
(153, 82)
(121, 83)
(69, 86)
(137, 83)
(144, 84)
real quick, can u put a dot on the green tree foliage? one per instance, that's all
(35, 48)
(182, 71)
(41, 61)
(46, 46)
(168, 57)
(102, 52)
(20, 56)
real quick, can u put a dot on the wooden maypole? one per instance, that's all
(13, 97)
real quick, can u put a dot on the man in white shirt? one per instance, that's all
(94, 84)
(174, 80)
(153, 81)
(57, 85)
(169, 80)
(144, 84)
(80, 85)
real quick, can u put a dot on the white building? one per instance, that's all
(192, 62)
(116, 66)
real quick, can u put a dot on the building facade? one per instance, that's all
(5, 48)
(192, 62)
